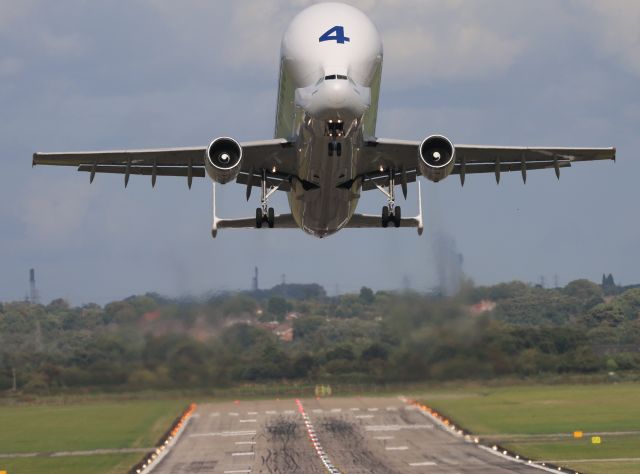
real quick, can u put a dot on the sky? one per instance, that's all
(80, 75)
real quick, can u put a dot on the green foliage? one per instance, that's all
(154, 342)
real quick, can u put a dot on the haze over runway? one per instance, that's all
(84, 76)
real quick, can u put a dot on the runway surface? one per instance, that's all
(357, 435)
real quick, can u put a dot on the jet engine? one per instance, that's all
(222, 159)
(437, 158)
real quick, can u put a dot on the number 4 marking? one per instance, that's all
(335, 34)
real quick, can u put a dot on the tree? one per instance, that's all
(278, 306)
(366, 295)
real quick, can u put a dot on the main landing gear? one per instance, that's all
(265, 214)
(391, 214)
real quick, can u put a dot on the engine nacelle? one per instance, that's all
(437, 158)
(222, 160)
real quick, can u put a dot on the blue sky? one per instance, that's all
(77, 75)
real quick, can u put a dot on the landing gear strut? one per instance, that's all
(265, 214)
(391, 214)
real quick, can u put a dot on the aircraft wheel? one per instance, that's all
(397, 216)
(339, 149)
(331, 148)
(258, 218)
(271, 218)
(385, 217)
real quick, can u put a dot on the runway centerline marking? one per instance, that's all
(372, 409)
(397, 448)
(245, 442)
(317, 410)
(271, 412)
(233, 413)
(424, 463)
(244, 453)
(384, 438)
(244, 471)
(355, 409)
(364, 416)
(252, 413)
(336, 410)
(249, 421)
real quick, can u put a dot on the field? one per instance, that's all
(81, 427)
(538, 422)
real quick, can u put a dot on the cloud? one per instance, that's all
(615, 27)
(53, 211)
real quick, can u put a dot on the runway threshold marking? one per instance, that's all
(355, 409)
(249, 421)
(360, 417)
(252, 413)
(397, 448)
(245, 442)
(244, 453)
(424, 463)
(384, 438)
(372, 409)
(271, 412)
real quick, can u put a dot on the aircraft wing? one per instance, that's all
(187, 162)
(404, 155)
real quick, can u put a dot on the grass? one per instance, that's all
(504, 412)
(82, 427)
(104, 464)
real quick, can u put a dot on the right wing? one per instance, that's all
(273, 154)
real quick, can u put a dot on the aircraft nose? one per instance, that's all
(332, 96)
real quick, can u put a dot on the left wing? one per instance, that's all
(187, 162)
(402, 156)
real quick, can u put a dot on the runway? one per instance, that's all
(357, 435)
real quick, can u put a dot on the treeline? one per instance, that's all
(155, 342)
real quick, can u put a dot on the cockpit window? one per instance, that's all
(335, 76)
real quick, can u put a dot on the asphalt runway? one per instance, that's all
(358, 435)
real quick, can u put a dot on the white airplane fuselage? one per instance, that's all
(330, 72)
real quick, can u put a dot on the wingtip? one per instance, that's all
(615, 151)
(34, 158)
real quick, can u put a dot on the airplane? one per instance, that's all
(325, 151)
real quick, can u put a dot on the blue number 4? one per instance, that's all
(335, 34)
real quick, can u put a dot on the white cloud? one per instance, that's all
(615, 26)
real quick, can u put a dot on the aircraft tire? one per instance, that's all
(385, 217)
(397, 216)
(271, 218)
(258, 218)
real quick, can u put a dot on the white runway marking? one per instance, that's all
(384, 438)
(425, 463)
(355, 409)
(245, 471)
(223, 434)
(372, 409)
(336, 410)
(271, 412)
(289, 412)
(215, 414)
(397, 427)
(317, 410)
(245, 442)
(392, 409)
(247, 453)
(248, 421)
(252, 413)
(233, 413)
(364, 416)
(397, 448)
